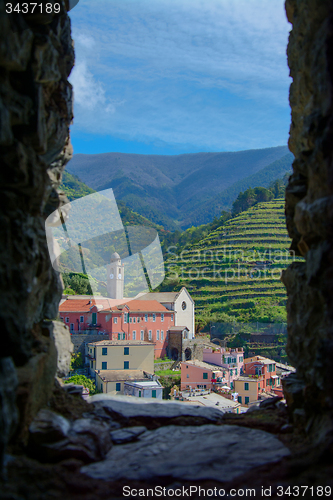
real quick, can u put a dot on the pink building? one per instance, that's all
(230, 360)
(146, 320)
(198, 375)
(264, 368)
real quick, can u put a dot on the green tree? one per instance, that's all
(82, 380)
(76, 361)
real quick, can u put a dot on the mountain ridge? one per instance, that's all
(171, 188)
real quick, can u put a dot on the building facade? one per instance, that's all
(144, 389)
(120, 355)
(230, 360)
(264, 368)
(198, 375)
(147, 320)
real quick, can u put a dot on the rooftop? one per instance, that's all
(116, 375)
(146, 384)
(110, 343)
(244, 378)
(260, 359)
(203, 364)
(85, 303)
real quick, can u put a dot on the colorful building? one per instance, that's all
(120, 355)
(230, 360)
(248, 389)
(264, 368)
(145, 320)
(144, 389)
(198, 375)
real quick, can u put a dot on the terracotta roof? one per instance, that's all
(106, 304)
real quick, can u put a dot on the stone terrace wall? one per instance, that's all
(36, 58)
(79, 341)
(309, 212)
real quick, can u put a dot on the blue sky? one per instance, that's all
(179, 76)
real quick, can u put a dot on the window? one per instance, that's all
(142, 335)
(247, 399)
(171, 317)
(67, 319)
(72, 327)
(240, 359)
(246, 386)
(153, 393)
(102, 387)
(131, 319)
(104, 365)
(184, 305)
(187, 375)
(81, 319)
(91, 364)
(154, 317)
(259, 386)
(118, 386)
(134, 319)
(162, 335)
(157, 335)
(146, 318)
(121, 336)
(138, 320)
(115, 320)
(134, 335)
(139, 394)
(240, 399)
(61, 317)
(205, 376)
(126, 351)
(231, 373)
(104, 351)
(162, 317)
(150, 336)
(126, 365)
(236, 372)
(125, 317)
(94, 318)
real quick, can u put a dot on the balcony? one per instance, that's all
(91, 326)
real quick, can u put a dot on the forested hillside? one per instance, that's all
(183, 190)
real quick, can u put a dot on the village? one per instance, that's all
(123, 342)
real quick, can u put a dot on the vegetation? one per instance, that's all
(233, 273)
(73, 187)
(83, 380)
(173, 373)
(76, 361)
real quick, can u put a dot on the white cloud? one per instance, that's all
(181, 70)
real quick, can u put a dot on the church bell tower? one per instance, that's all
(115, 277)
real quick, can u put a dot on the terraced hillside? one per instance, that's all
(234, 272)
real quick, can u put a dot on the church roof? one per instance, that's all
(115, 256)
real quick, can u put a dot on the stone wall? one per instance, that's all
(36, 57)
(309, 215)
(79, 341)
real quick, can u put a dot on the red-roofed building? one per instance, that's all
(125, 319)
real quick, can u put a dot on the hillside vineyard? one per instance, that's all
(236, 269)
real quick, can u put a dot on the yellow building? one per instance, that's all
(120, 355)
(248, 389)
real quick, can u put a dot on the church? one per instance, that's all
(148, 317)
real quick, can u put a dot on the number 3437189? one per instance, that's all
(30, 8)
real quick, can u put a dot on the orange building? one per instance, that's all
(264, 368)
